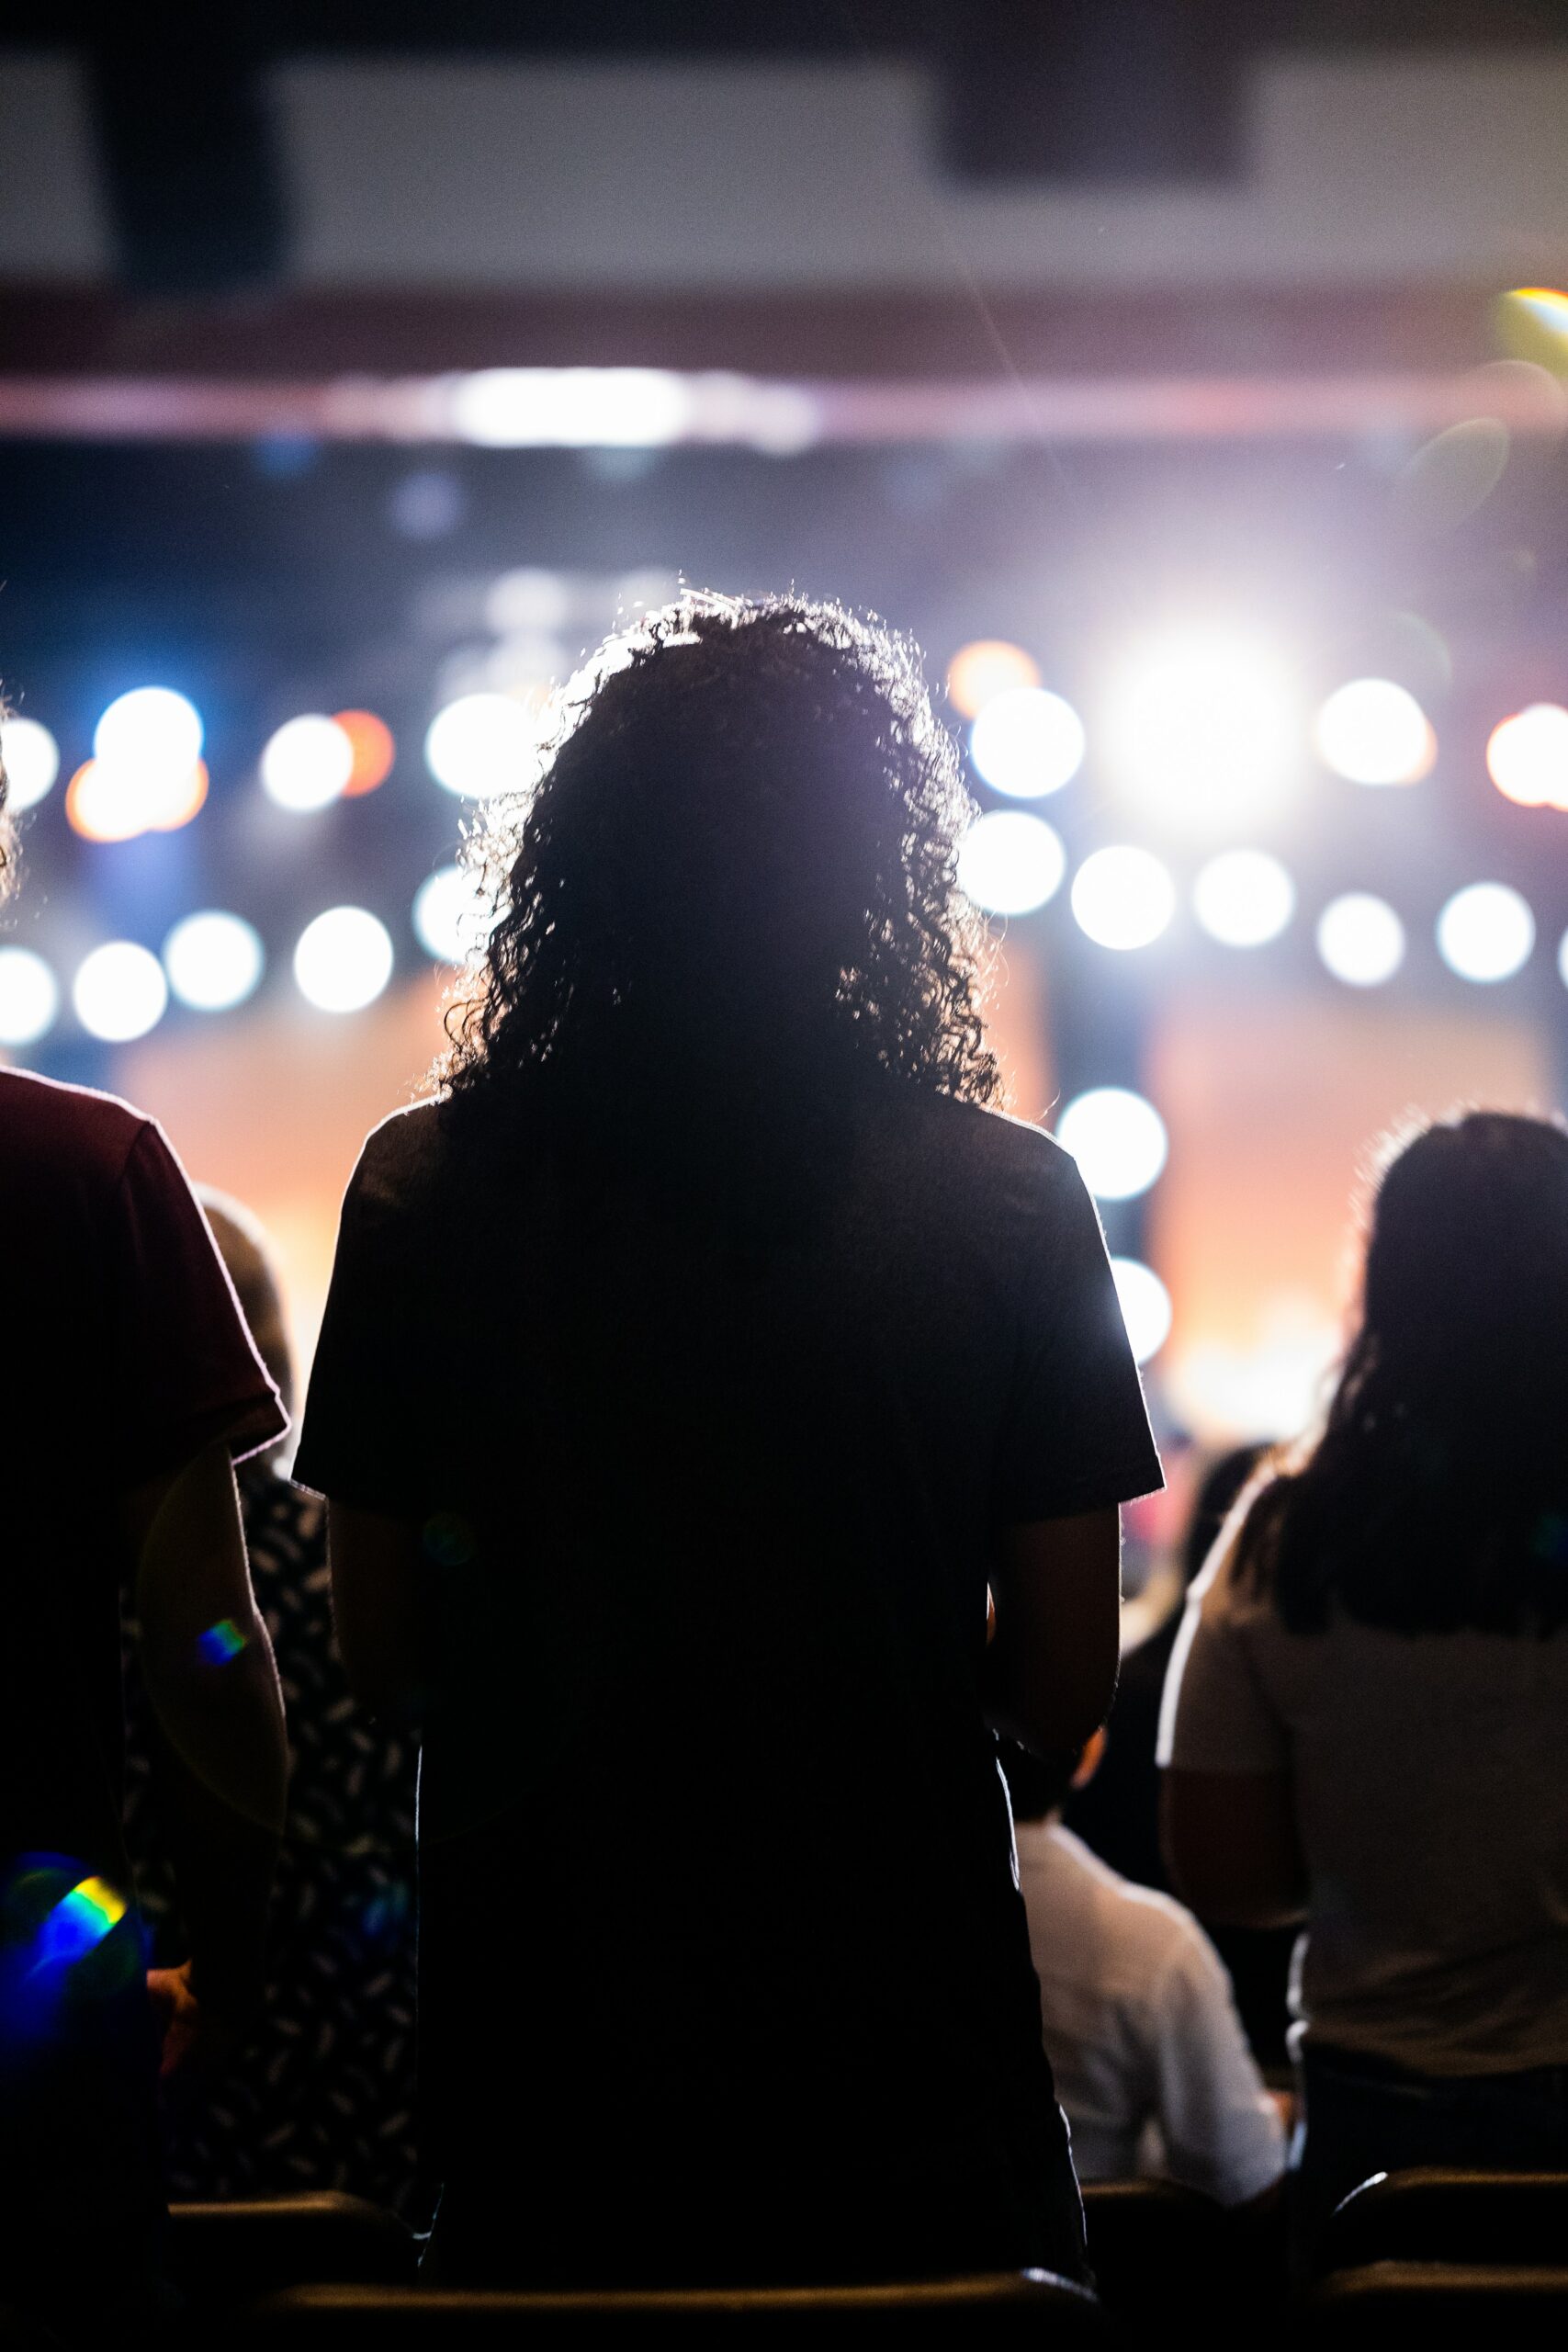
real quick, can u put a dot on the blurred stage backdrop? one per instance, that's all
(1190, 381)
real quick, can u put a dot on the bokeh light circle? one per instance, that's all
(307, 763)
(978, 674)
(30, 997)
(1360, 939)
(151, 732)
(119, 991)
(1244, 897)
(451, 915)
(343, 959)
(1527, 756)
(1010, 863)
(1123, 898)
(1373, 732)
(1118, 1140)
(1027, 742)
(1204, 728)
(1486, 933)
(480, 744)
(31, 757)
(214, 960)
(374, 747)
(1146, 1306)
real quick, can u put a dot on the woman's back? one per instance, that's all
(712, 1832)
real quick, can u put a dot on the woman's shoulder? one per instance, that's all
(402, 1156)
(986, 1145)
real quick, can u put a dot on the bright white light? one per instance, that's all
(1374, 732)
(119, 991)
(530, 598)
(1486, 933)
(480, 744)
(1117, 1138)
(150, 735)
(1123, 898)
(307, 763)
(571, 408)
(213, 960)
(452, 915)
(1011, 864)
(343, 959)
(1360, 939)
(1527, 756)
(1244, 897)
(1205, 729)
(1146, 1306)
(32, 761)
(30, 997)
(1027, 742)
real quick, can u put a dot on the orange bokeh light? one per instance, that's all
(105, 807)
(979, 672)
(1527, 756)
(374, 750)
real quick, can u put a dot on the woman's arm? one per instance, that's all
(1231, 1847)
(1049, 1671)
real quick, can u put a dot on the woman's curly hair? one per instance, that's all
(739, 857)
(7, 827)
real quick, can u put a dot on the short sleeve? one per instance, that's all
(358, 1441)
(1216, 1715)
(1074, 1433)
(182, 1367)
(1221, 2130)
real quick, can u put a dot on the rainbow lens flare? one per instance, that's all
(79, 1922)
(220, 1641)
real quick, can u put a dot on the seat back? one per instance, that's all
(222, 2255)
(1030, 2306)
(1150, 2242)
(1443, 2214)
(1441, 2306)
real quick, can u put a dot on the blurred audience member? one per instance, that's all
(1116, 1811)
(323, 2095)
(1151, 2064)
(1367, 1722)
(131, 1388)
(686, 1371)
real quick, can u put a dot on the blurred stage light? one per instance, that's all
(150, 734)
(1205, 729)
(1011, 864)
(1360, 939)
(451, 915)
(1123, 898)
(109, 803)
(1027, 742)
(978, 674)
(1244, 897)
(31, 757)
(570, 407)
(1146, 1306)
(529, 598)
(1486, 933)
(119, 991)
(1375, 732)
(1527, 756)
(30, 997)
(343, 960)
(1118, 1140)
(177, 801)
(480, 744)
(1534, 321)
(213, 960)
(374, 748)
(307, 763)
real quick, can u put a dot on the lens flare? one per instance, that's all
(30, 997)
(1011, 864)
(220, 1641)
(375, 750)
(1360, 939)
(31, 758)
(1118, 1140)
(1527, 756)
(978, 674)
(1486, 932)
(1123, 898)
(1146, 1306)
(1244, 897)
(1027, 742)
(1372, 731)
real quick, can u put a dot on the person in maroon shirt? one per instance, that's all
(133, 1389)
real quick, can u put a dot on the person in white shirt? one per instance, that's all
(1152, 2066)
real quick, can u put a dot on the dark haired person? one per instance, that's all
(1151, 2064)
(132, 1390)
(1367, 1720)
(687, 1373)
(321, 2095)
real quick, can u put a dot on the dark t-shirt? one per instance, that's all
(124, 1356)
(719, 1912)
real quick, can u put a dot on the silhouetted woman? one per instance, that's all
(689, 1368)
(1367, 1721)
